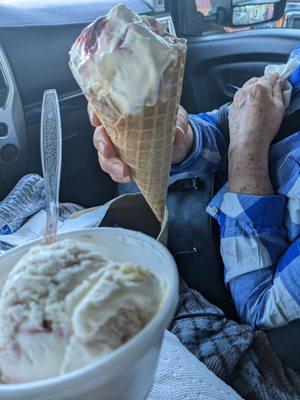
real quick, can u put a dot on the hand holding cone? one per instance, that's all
(144, 140)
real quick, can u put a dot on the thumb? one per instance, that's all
(179, 136)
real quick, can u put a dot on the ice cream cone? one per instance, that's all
(144, 142)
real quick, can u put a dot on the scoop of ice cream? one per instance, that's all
(124, 56)
(64, 305)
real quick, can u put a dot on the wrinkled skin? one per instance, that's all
(255, 117)
(254, 120)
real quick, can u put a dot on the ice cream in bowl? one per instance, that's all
(84, 317)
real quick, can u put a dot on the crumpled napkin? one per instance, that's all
(181, 376)
(284, 71)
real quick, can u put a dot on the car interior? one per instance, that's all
(35, 40)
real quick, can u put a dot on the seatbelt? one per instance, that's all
(223, 121)
(290, 125)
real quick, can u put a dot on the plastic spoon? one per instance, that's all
(51, 145)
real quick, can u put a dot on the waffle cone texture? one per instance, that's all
(145, 141)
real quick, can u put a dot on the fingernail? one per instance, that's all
(117, 169)
(101, 146)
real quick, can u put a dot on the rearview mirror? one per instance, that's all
(242, 13)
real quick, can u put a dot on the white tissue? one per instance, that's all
(34, 228)
(284, 71)
(180, 375)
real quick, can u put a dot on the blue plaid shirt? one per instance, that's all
(260, 235)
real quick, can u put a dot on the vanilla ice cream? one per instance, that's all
(130, 68)
(124, 56)
(64, 306)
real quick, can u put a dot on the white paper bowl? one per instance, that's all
(127, 373)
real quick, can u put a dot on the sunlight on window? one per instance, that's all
(289, 20)
(204, 6)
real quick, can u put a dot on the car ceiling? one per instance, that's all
(57, 12)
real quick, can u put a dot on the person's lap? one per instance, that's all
(285, 342)
(203, 271)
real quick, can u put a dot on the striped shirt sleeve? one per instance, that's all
(209, 152)
(259, 262)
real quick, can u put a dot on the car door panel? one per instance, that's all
(37, 66)
(217, 65)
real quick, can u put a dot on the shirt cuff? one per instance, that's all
(253, 209)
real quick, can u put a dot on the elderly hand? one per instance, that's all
(113, 165)
(257, 112)
(254, 120)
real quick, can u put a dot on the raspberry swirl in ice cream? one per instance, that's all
(124, 56)
(64, 306)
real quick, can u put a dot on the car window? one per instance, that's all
(291, 19)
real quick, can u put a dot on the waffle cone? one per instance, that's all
(145, 141)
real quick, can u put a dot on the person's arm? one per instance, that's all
(261, 267)
(209, 152)
(257, 257)
(198, 146)
(109, 159)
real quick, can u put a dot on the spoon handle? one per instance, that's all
(51, 145)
